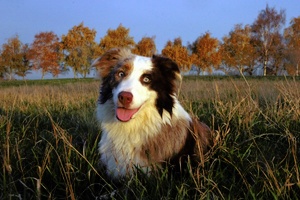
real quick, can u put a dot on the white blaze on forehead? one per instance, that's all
(141, 65)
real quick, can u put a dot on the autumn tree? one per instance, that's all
(145, 47)
(115, 38)
(179, 53)
(237, 50)
(2, 67)
(79, 48)
(13, 58)
(292, 37)
(45, 53)
(266, 34)
(206, 52)
(24, 68)
(277, 56)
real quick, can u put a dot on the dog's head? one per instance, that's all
(132, 82)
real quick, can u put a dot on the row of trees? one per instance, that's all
(264, 44)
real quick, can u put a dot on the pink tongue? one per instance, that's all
(125, 115)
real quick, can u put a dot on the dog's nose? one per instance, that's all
(125, 98)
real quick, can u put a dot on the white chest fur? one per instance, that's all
(121, 143)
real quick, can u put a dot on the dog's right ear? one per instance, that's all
(109, 60)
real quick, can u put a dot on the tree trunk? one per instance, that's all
(265, 67)
(75, 74)
(265, 61)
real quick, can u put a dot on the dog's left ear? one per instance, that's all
(170, 70)
(109, 60)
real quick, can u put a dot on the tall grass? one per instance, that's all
(49, 138)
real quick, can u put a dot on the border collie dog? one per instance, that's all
(143, 124)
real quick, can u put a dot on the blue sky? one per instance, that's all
(164, 19)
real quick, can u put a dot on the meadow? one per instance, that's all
(49, 138)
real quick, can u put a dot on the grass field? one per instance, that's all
(49, 137)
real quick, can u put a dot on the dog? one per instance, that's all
(143, 124)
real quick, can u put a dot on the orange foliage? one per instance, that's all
(265, 33)
(115, 38)
(292, 36)
(80, 47)
(13, 59)
(145, 47)
(206, 54)
(178, 53)
(45, 53)
(237, 50)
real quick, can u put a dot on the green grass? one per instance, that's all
(49, 139)
(40, 82)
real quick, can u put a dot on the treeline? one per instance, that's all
(264, 46)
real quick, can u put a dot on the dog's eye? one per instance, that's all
(146, 79)
(121, 74)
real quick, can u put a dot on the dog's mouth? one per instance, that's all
(124, 114)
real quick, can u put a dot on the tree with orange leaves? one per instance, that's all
(179, 53)
(145, 47)
(237, 50)
(206, 54)
(266, 36)
(2, 67)
(115, 38)
(23, 70)
(79, 47)
(13, 59)
(45, 53)
(292, 37)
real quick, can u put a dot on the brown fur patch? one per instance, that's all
(178, 141)
(166, 144)
(203, 139)
(126, 66)
(110, 59)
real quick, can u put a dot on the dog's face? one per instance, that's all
(132, 82)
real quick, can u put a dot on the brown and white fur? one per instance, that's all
(143, 124)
